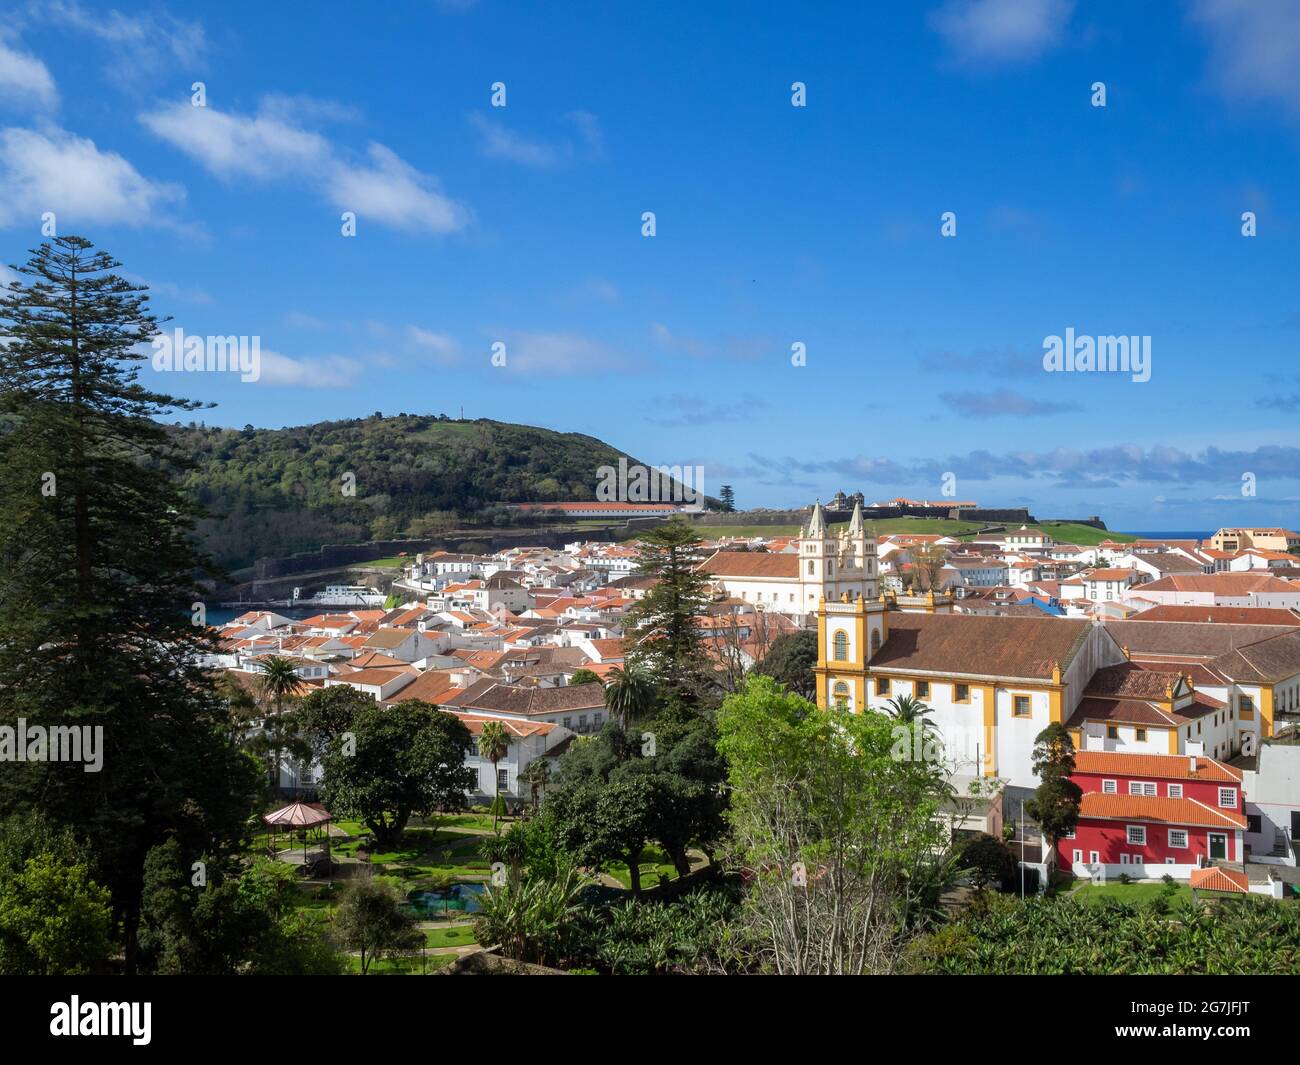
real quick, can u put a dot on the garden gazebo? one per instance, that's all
(302, 817)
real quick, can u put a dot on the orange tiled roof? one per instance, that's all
(1164, 766)
(1215, 878)
(1157, 808)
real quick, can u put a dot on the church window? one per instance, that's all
(923, 689)
(882, 685)
(812, 568)
(841, 646)
(875, 641)
(841, 692)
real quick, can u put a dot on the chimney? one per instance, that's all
(1191, 759)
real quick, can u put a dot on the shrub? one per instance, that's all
(988, 860)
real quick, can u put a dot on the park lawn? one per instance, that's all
(407, 965)
(472, 822)
(392, 562)
(455, 936)
(1135, 893)
(654, 864)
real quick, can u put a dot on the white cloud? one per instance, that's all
(394, 193)
(271, 146)
(53, 170)
(440, 345)
(7, 276)
(497, 141)
(1001, 30)
(260, 146)
(1254, 48)
(559, 353)
(324, 371)
(24, 79)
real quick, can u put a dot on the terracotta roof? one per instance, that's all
(982, 646)
(750, 564)
(1268, 660)
(1200, 640)
(374, 658)
(1095, 804)
(1128, 711)
(376, 677)
(1142, 712)
(1129, 680)
(517, 729)
(1110, 575)
(510, 699)
(1223, 615)
(1220, 583)
(1161, 766)
(1216, 878)
(431, 687)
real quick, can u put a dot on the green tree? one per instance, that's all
(99, 579)
(277, 683)
(323, 715)
(790, 661)
(988, 860)
(1055, 805)
(54, 918)
(662, 628)
(908, 710)
(841, 840)
(237, 918)
(584, 676)
(370, 921)
(404, 763)
(727, 497)
(613, 796)
(630, 693)
(529, 916)
(609, 821)
(537, 776)
(493, 745)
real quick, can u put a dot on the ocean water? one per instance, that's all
(220, 615)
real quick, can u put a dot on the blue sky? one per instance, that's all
(775, 225)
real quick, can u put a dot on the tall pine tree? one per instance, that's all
(98, 574)
(662, 628)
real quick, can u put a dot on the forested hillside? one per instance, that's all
(276, 491)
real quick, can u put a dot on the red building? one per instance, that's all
(1152, 814)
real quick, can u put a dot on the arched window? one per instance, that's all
(812, 568)
(841, 647)
(841, 694)
(875, 642)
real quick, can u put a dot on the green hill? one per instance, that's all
(277, 491)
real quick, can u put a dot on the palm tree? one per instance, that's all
(538, 776)
(279, 681)
(494, 744)
(629, 693)
(908, 709)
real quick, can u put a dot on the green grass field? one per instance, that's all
(1129, 892)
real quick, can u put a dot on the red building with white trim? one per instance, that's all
(1154, 814)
